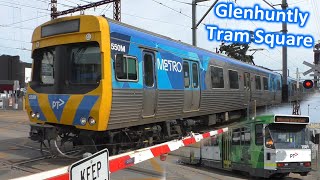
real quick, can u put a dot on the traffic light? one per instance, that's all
(308, 84)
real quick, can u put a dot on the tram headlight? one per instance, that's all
(37, 115)
(91, 121)
(32, 114)
(83, 121)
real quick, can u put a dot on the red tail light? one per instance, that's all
(307, 164)
(280, 164)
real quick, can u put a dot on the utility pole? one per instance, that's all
(194, 18)
(316, 51)
(298, 78)
(285, 91)
(116, 8)
(54, 8)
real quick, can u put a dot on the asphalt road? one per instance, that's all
(19, 156)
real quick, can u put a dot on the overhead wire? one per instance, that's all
(23, 5)
(162, 4)
(7, 25)
(105, 9)
(24, 49)
(316, 14)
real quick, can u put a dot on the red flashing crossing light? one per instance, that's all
(308, 84)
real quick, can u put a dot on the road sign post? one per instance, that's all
(93, 167)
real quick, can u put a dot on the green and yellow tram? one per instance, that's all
(265, 146)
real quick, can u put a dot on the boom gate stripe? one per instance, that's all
(121, 161)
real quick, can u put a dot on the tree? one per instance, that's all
(237, 51)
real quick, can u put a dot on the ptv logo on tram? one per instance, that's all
(294, 155)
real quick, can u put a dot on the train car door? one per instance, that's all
(247, 87)
(191, 85)
(149, 84)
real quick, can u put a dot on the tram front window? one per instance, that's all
(287, 136)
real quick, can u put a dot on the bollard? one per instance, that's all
(10, 102)
(24, 103)
(1, 104)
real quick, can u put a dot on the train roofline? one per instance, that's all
(221, 57)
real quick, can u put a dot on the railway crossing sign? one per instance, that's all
(315, 68)
(95, 167)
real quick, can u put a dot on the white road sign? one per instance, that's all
(95, 167)
(314, 68)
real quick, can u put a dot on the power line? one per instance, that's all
(22, 5)
(86, 1)
(181, 2)
(24, 49)
(6, 25)
(172, 8)
(105, 9)
(15, 40)
(316, 11)
(155, 20)
(16, 27)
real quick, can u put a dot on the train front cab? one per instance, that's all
(261, 148)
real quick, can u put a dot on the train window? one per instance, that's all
(217, 77)
(126, 68)
(47, 67)
(259, 134)
(148, 70)
(86, 64)
(236, 137)
(234, 79)
(186, 73)
(258, 83)
(195, 76)
(265, 84)
(278, 85)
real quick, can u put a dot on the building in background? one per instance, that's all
(11, 69)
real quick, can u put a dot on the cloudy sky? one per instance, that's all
(171, 18)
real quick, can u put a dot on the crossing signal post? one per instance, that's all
(316, 51)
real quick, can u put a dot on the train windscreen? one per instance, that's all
(68, 65)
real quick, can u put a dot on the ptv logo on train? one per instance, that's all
(57, 104)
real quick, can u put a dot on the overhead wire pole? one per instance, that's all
(316, 51)
(117, 10)
(194, 18)
(55, 13)
(285, 91)
(53, 8)
(285, 95)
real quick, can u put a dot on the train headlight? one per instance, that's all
(91, 121)
(88, 37)
(32, 114)
(83, 121)
(37, 115)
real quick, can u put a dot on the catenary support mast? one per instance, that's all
(116, 8)
(195, 24)
(285, 92)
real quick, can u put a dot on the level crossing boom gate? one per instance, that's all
(121, 161)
